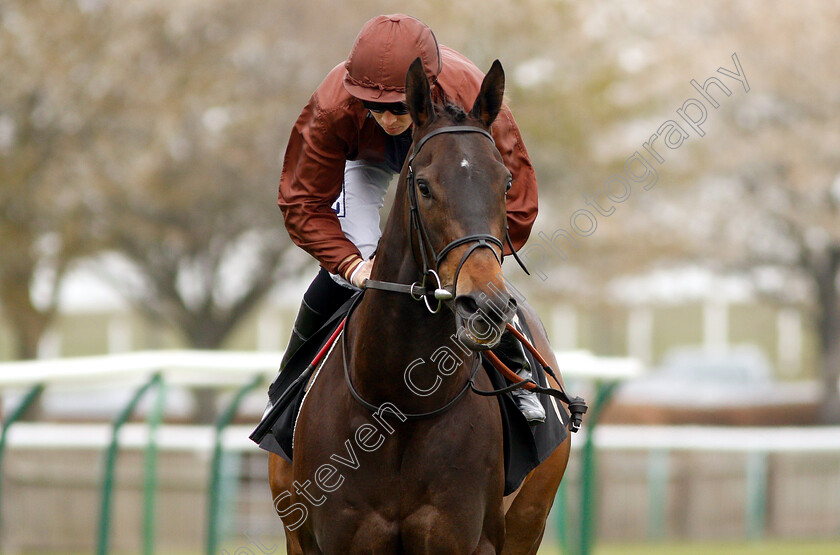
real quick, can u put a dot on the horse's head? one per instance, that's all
(457, 185)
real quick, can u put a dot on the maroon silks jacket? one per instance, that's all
(333, 128)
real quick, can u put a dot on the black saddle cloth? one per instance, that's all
(525, 446)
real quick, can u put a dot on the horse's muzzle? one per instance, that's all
(481, 319)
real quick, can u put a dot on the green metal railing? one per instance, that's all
(151, 448)
(582, 542)
(756, 505)
(658, 471)
(214, 486)
(14, 416)
(110, 463)
(150, 464)
(155, 418)
(577, 533)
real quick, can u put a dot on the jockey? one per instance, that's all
(351, 139)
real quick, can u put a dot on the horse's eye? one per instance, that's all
(509, 184)
(423, 187)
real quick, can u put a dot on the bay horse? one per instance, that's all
(390, 455)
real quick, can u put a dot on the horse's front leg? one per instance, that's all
(492, 539)
(280, 478)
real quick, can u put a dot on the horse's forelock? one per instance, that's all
(453, 112)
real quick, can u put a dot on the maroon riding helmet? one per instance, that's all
(382, 53)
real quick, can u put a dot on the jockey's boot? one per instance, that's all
(307, 322)
(511, 352)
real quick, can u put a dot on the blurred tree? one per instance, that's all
(759, 194)
(152, 132)
(42, 129)
(190, 158)
(779, 157)
(200, 96)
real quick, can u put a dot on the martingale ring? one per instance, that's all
(437, 289)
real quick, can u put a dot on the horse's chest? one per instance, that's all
(417, 481)
(385, 450)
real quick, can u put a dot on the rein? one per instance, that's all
(577, 406)
(434, 289)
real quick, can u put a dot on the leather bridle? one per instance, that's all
(425, 288)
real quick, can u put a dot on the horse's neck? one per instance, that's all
(391, 331)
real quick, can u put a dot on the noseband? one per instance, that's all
(426, 288)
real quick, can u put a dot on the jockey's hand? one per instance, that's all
(361, 273)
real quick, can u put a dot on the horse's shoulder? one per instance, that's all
(532, 319)
(538, 331)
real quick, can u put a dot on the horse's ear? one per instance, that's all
(489, 100)
(418, 95)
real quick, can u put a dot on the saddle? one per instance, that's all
(525, 446)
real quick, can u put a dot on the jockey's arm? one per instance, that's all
(522, 197)
(313, 170)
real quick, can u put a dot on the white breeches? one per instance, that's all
(362, 196)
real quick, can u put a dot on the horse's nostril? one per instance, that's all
(512, 304)
(466, 305)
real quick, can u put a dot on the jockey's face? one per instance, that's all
(393, 125)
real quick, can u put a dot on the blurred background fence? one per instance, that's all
(135, 485)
